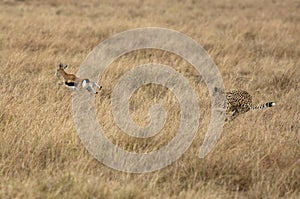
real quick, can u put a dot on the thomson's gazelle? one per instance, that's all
(75, 83)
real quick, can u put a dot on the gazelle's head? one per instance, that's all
(61, 68)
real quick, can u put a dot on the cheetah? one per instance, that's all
(239, 102)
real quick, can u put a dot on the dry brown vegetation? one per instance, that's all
(256, 46)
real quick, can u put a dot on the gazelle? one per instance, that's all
(75, 83)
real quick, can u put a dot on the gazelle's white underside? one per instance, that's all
(73, 88)
(90, 86)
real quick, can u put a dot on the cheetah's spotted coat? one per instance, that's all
(239, 102)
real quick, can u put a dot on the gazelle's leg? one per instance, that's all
(94, 84)
(97, 85)
(90, 88)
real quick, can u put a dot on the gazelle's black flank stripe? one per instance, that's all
(70, 83)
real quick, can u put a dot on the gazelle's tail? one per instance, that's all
(263, 106)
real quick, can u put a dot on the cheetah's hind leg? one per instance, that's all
(231, 115)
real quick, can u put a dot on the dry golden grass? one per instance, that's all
(256, 46)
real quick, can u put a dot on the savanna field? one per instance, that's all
(256, 46)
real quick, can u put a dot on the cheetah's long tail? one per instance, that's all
(263, 106)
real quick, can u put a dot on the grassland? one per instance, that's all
(256, 46)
